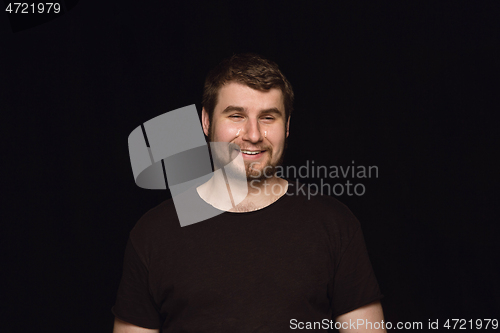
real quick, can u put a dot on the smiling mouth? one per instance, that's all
(250, 152)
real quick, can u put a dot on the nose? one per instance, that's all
(252, 131)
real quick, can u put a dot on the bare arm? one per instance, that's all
(124, 327)
(368, 318)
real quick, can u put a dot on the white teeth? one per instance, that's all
(250, 152)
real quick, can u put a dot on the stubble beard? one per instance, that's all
(259, 174)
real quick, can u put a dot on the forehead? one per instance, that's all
(237, 94)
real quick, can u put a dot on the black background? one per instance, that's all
(409, 87)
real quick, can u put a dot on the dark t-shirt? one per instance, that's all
(296, 259)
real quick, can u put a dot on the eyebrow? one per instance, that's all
(232, 108)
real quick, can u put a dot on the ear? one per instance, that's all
(288, 126)
(205, 122)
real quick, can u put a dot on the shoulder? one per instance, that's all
(154, 227)
(155, 217)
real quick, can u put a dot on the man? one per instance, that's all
(274, 262)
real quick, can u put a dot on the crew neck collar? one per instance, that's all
(270, 206)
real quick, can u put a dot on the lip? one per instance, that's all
(254, 156)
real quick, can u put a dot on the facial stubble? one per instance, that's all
(252, 174)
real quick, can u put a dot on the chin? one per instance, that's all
(258, 174)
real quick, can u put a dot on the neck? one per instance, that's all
(235, 195)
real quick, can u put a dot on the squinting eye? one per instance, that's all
(235, 116)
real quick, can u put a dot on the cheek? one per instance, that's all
(227, 132)
(276, 136)
(234, 131)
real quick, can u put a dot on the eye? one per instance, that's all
(268, 118)
(235, 116)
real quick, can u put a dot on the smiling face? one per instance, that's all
(255, 121)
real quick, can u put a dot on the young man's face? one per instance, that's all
(255, 121)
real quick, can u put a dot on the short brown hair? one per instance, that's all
(251, 70)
